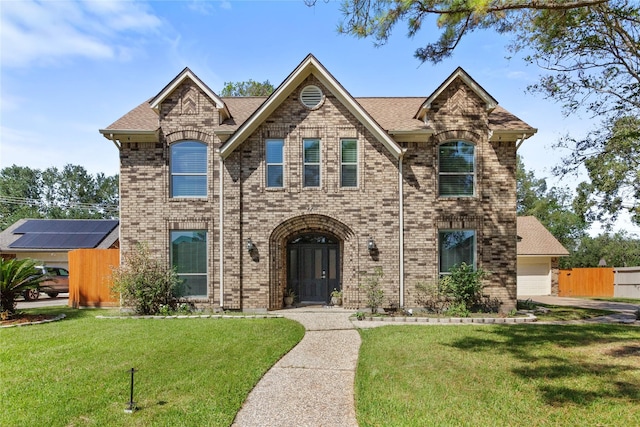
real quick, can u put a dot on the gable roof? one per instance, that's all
(310, 65)
(59, 235)
(177, 81)
(535, 239)
(459, 73)
(387, 116)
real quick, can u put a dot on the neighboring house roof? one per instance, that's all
(535, 239)
(33, 235)
(384, 116)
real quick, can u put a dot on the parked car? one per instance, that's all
(56, 281)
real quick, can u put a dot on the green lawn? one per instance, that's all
(191, 372)
(529, 375)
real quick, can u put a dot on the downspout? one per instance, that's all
(520, 141)
(401, 224)
(221, 227)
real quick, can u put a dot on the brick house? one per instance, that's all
(312, 189)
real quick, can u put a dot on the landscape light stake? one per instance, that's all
(132, 404)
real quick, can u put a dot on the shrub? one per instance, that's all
(458, 309)
(463, 284)
(144, 283)
(16, 276)
(373, 293)
(429, 296)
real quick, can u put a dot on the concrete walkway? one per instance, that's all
(312, 385)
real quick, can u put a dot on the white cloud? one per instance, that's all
(43, 33)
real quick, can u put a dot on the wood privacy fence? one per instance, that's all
(90, 277)
(586, 282)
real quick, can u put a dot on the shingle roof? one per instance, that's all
(392, 113)
(140, 118)
(241, 108)
(535, 239)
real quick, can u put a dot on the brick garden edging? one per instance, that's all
(450, 320)
(199, 316)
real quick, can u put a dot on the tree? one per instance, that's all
(589, 51)
(248, 88)
(52, 193)
(551, 206)
(19, 194)
(611, 157)
(16, 276)
(618, 250)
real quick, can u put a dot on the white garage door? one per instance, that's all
(534, 277)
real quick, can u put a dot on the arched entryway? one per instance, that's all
(313, 267)
(307, 255)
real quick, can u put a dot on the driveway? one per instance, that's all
(44, 301)
(584, 303)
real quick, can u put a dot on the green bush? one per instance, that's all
(16, 276)
(144, 283)
(464, 285)
(431, 297)
(373, 293)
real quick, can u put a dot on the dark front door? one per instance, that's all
(313, 267)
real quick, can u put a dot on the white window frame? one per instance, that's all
(472, 174)
(318, 163)
(267, 164)
(194, 174)
(356, 163)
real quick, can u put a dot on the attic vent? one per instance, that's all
(311, 97)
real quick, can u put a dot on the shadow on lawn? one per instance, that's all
(563, 356)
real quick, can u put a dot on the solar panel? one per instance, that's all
(62, 234)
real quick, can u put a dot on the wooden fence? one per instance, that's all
(586, 282)
(90, 277)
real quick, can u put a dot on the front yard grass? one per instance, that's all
(190, 372)
(530, 375)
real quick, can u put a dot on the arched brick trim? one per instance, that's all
(458, 134)
(189, 134)
(295, 226)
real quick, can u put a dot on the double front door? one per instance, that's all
(313, 267)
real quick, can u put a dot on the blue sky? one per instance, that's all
(70, 68)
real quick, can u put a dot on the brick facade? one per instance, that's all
(271, 217)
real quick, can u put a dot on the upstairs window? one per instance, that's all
(349, 163)
(275, 162)
(188, 165)
(311, 149)
(456, 247)
(456, 169)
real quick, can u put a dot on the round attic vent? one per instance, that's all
(311, 97)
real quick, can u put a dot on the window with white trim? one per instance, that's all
(275, 163)
(189, 258)
(456, 247)
(349, 163)
(311, 154)
(188, 164)
(456, 173)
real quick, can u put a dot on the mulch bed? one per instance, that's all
(23, 318)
